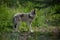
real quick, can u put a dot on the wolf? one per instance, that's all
(24, 17)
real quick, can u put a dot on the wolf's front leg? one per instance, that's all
(30, 27)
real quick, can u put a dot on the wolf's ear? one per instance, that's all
(33, 11)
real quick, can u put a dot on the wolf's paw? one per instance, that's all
(31, 30)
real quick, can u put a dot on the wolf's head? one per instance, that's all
(32, 14)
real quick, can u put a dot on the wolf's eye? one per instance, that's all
(30, 16)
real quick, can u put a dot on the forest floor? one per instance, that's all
(42, 33)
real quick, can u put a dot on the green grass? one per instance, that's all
(41, 34)
(42, 31)
(6, 16)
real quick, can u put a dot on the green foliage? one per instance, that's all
(47, 16)
(8, 9)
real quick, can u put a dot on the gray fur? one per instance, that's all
(23, 17)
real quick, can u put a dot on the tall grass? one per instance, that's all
(6, 16)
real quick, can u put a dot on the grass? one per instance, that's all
(41, 33)
(6, 16)
(38, 25)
